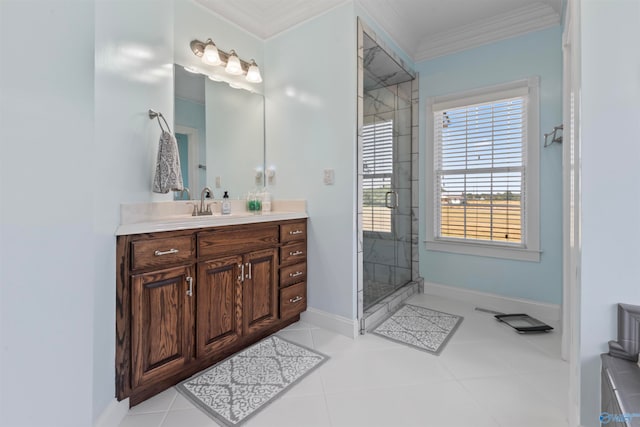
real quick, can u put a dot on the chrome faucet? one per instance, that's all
(206, 191)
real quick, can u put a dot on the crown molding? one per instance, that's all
(533, 17)
(268, 19)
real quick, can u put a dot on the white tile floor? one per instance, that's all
(487, 375)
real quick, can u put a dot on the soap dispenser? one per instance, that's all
(226, 204)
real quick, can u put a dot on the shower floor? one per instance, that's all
(376, 291)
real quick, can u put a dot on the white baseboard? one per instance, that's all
(332, 322)
(544, 311)
(113, 415)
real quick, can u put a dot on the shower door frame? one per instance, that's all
(362, 28)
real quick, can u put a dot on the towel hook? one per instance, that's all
(158, 115)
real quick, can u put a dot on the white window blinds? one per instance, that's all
(377, 158)
(480, 159)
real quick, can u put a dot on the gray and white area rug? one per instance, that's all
(419, 327)
(237, 388)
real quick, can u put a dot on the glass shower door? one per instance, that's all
(386, 154)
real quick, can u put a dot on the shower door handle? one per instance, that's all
(387, 199)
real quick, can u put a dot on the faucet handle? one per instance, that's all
(195, 208)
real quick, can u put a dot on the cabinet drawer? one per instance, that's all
(293, 300)
(161, 252)
(293, 274)
(293, 253)
(235, 240)
(293, 231)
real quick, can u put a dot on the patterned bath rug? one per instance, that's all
(419, 327)
(238, 387)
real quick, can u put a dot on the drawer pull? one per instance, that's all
(296, 299)
(296, 274)
(293, 233)
(296, 253)
(169, 252)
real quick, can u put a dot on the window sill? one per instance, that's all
(484, 250)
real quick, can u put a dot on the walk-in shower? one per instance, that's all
(385, 174)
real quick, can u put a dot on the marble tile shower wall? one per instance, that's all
(387, 258)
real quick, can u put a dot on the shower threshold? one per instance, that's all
(376, 313)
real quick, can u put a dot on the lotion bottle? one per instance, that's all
(226, 204)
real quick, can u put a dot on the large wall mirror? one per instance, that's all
(220, 134)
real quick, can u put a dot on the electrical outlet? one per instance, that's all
(218, 182)
(329, 177)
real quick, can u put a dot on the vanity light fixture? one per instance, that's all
(209, 53)
(253, 73)
(233, 64)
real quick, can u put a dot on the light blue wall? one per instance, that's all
(310, 90)
(47, 263)
(133, 53)
(191, 114)
(610, 151)
(538, 53)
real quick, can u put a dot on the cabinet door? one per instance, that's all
(260, 291)
(161, 323)
(219, 318)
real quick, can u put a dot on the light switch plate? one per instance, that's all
(217, 182)
(329, 177)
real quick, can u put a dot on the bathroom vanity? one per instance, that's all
(190, 297)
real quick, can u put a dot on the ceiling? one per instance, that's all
(424, 29)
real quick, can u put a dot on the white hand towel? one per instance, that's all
(168, 174)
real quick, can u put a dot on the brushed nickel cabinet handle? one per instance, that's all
(249, 276)
(190, 290)
(293, 233)
(296, 253)
(296, 274)
(296, 299)
(169, 252)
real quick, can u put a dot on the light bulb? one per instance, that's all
(211, 55)
(233, 64)
(253, 74)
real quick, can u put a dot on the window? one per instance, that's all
(377, 158)
(484, 172)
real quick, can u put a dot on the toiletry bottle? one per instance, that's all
(258, 202)
(266, 201)
(250, 202)
(226, 204)
(254, 204)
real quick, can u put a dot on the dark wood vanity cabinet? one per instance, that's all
(293, 268)
(188, 299)
(161, 324)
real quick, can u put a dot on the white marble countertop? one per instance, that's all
(170, 216)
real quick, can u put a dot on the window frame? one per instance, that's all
(530, 248)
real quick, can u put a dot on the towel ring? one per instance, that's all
(158, 115)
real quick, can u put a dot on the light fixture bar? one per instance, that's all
(197, 47)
